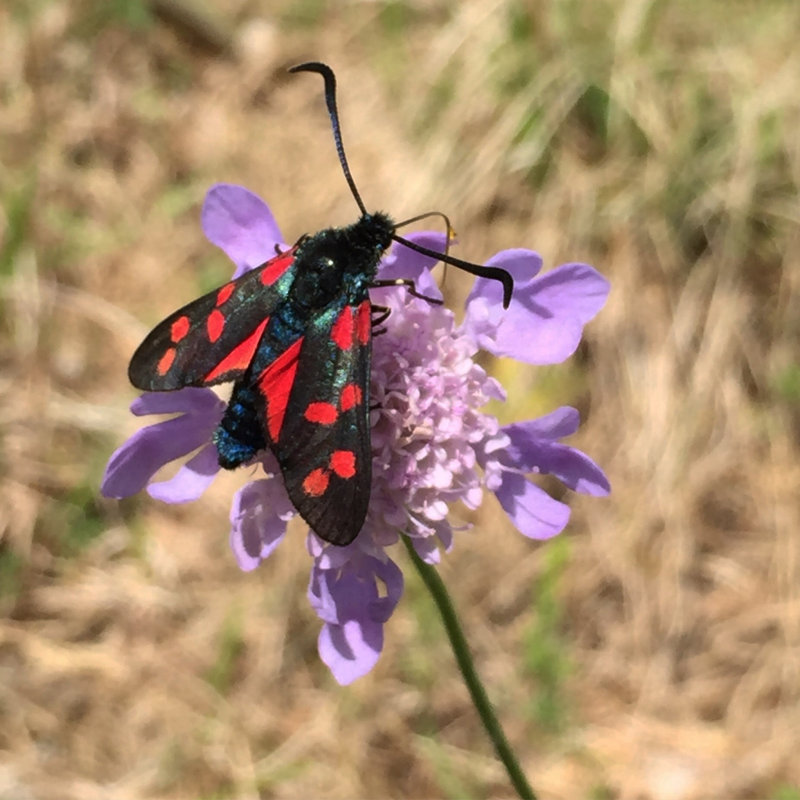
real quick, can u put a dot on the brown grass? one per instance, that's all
(136, 661)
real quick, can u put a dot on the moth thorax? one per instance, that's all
(319, 280)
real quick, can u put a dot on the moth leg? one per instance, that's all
(381, 314)
(412, 289)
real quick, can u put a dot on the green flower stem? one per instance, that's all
(464, 659)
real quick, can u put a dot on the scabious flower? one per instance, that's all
(432, 443)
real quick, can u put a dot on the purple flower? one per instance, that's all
(432, 443)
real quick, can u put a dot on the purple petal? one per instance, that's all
(531, 509)
(533, 447)
(191, 480)
(351, 592)
(427, 549)
(544, 323)
(347, 601)
(240, 223)
(131, 466)
(321, 586)
(445, 534)
(259, 514)
(328, 557)
(405, 263)
(564, 421)
(576, 289)
(524, 265)
(350, 650)
(189, 400)
(574, 469)
(391, 576)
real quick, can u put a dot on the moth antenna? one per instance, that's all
(450, 231)
(492, 273)
(330, 102)
(451, 234)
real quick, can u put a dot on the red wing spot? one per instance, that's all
(214, 324)
(364, 322)
(179, 329)
(240, 357)
(342, 331)
(322, 413)
(166, 361)
(273, 269)
(276, 383)
(225, 292)
(343, 463)
(316, 482)
(351, 396)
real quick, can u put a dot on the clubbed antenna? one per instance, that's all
(492, 273)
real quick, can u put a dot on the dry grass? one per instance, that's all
(655, 140)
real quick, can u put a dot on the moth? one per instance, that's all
(294, 336)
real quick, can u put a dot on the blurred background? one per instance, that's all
(653, 649)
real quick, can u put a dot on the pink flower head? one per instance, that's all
(432, 443)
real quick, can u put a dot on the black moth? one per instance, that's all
(294, 335)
